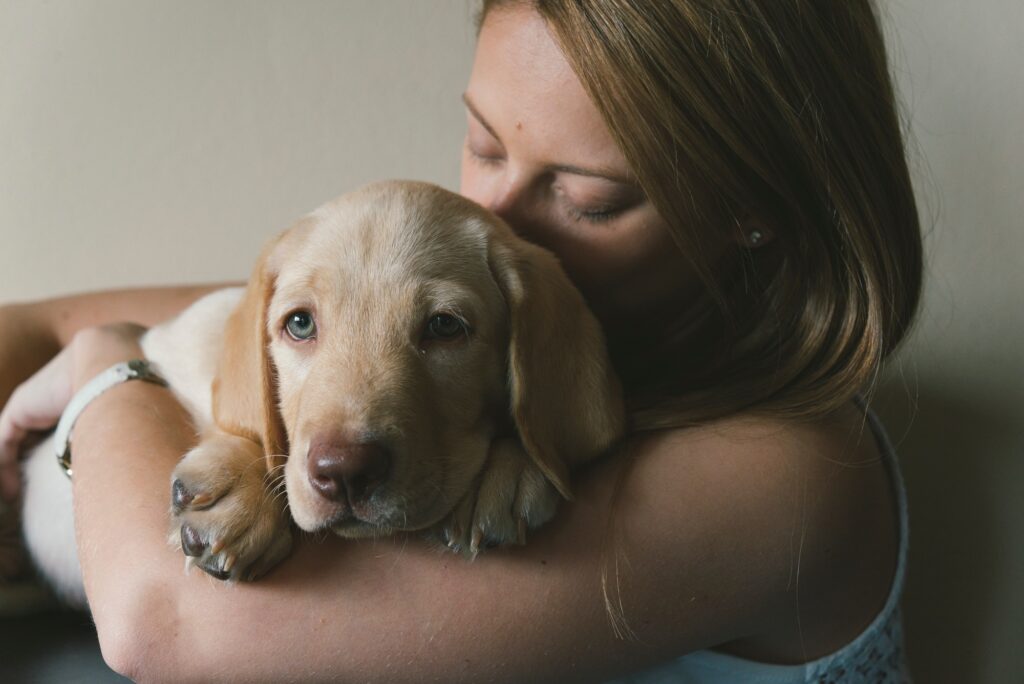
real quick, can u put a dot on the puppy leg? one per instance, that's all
(228, 512)
(48, 523)
(512, 496)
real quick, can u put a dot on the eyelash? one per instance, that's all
(575, 214)
(592, 216)
(482, 160)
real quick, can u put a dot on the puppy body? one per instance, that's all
(185, 350)
(399, 360)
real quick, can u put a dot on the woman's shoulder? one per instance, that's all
(803, 511)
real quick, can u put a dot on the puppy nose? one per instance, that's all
(340, 470)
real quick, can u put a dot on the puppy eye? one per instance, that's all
(444, 326)
(300, 326)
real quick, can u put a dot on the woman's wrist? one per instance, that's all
(93, 350)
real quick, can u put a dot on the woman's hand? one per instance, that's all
(32, 334)
(34, 407)
(36, 404)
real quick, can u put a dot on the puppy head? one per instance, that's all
(388, 338)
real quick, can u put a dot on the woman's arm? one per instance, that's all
(65, 316)
(26, 344)
(32, 333)
(391, 609)
(718, 540)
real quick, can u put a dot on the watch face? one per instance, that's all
(140, 368)
(64, 460)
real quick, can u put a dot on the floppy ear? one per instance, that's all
(245, 401)
(565, 398)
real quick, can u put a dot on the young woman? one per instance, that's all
(725, 181)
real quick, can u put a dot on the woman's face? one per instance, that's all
(538, 154)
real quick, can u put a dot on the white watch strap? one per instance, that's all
(137, 369)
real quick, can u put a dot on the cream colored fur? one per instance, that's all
(482, 429)
(185, 349)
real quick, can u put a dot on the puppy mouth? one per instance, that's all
(345, 516)
(380, 517)
(349, 524)
(353, 527)
(409, 501)
(341, 518)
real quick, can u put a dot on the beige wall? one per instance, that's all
(160, 142)
(961, 70)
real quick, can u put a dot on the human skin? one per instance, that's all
(775, 541)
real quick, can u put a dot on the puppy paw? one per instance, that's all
(512, 495)
(228, 513)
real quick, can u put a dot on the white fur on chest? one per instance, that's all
(185, 350)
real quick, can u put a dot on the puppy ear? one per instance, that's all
(566, 400)
(245, 399)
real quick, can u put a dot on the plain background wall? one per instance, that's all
(961, 434)
(161, 142)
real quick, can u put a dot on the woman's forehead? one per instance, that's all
(527, 92)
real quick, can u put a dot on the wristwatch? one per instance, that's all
(137, 369)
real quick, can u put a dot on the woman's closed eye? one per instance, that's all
(574, 193)
(481, 144)
(483, 158)
(598, 214)
(592, 215)
(582, 201)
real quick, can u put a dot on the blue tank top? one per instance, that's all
(875, 656)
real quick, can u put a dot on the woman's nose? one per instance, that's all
(505, 191)
(503, 198)
(509, 200)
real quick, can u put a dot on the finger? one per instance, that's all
(12, 434)
(10, 470)
(10, 482)
(24, 420)
(37, 403)
(45, 395)
(11, 437)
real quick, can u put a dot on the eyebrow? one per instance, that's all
(478, 116)
(605, 174)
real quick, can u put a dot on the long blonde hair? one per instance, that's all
(781, 114)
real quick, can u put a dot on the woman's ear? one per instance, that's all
(245, 400)
(565, 398)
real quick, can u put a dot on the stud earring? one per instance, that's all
(755, 238)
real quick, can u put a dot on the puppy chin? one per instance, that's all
(358, 529)
(395, 507)
(313, 513)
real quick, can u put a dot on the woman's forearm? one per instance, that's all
(65, 316)
(336, 610)
(395, 610)
(126, 443)
(31, 333)
(26, 344)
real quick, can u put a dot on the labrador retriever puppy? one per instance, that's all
(398, 361)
